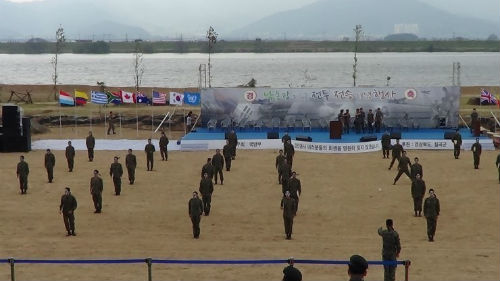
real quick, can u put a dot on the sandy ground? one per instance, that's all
(340, 211)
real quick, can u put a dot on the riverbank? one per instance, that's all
(252, 46)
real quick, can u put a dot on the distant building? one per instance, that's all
(37, 40)
(83, 41)
(406, 28)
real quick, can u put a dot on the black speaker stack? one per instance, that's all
(368, 138)
(304, 138)
(396, 135)
(273, 135)
(15, 134)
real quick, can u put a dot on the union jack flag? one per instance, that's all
(487, 97)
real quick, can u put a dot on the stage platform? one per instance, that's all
(323, 136)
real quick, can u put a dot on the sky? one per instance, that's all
(487, 9)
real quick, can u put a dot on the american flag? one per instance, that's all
(487, 97)
(159, 98)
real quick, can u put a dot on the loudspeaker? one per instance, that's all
(449, 135)
(273, 135)
(27, 132)
(335, 129)
(303, 138)
(15, 144)
(368, 138)
(396, 135)
(11, 120)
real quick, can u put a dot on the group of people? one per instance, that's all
(212, 169)
(363, 122)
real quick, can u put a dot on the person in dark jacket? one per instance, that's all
(357, 268)
(164, 147)
(218, 164)
(67, 208)
(90, 142)
(131, 164)
(96, 188)
(195, 209)
(391, 247)
(22, 174)
(416, 168)
(370, 118)
(279, 161)
(226, 151)
(233, 141)
(386, 144)
(476, 153)
(417, 193)
(206, 190)
(150, 150)
(288, 206)
(403, 167)
(289, 152)
(431, 213)
(208, 168)
(50, 162)
(457, 143)
(70, 156)
(116, 172)
(397, 149)
(291, 273)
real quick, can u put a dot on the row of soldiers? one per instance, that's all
(362, 122)
(212, 169)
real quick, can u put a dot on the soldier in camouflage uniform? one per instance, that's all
(289, 210)
(70, 156)
(116, 171)
(390, 249)
(96, 188)
(50, 162)
(417, 193)
(22, 173)
(279, 161)
(431, 213)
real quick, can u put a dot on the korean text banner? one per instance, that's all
(422, 107)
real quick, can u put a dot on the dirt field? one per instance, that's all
(340, 211)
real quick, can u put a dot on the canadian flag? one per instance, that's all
(127, 97)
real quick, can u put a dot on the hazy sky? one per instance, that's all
(487, 9)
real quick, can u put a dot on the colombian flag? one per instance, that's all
(81, 98)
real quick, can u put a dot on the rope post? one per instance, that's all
(12, 269)
(407, 269)
(149, 262)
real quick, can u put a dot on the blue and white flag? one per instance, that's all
(98, 97)
(192, 98)
(142, 98)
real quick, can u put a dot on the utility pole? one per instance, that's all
(358, 30)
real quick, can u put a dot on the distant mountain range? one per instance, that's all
(322, 20)
(333, 19)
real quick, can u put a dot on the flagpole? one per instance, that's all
(136, 121)
(152, 115)
(60, 121)
(105, 133)
(91, 119)
(74, 104)
(120, 114)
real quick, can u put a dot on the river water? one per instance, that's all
(275, 70)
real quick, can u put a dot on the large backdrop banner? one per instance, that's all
(424, 107)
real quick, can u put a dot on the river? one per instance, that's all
(275, 70)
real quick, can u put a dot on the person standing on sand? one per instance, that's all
(195, 209)
(476, 153)
(396, 152)
(50, 162)
(226, 151)
(111, 121)
(391, 247)
(417, 193)
(149, 149)
(131, 164)
(96, 188)
(289, 207)
(431, 213)
(457, 143)
(67, 208)
(164, 147)
(279, 161)
(70, 156)
(90, 142)
(116, 171)
(218, 166)
(22, 174)
(206, 189)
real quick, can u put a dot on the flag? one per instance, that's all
(66, 99)
(127, 97)
(81, 98)
(176, 98)
(114, 98)
(98, 97)
(142, 98)
(159, 98)
(487, 97)
(192, 98)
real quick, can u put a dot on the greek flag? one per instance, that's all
(98, 97)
